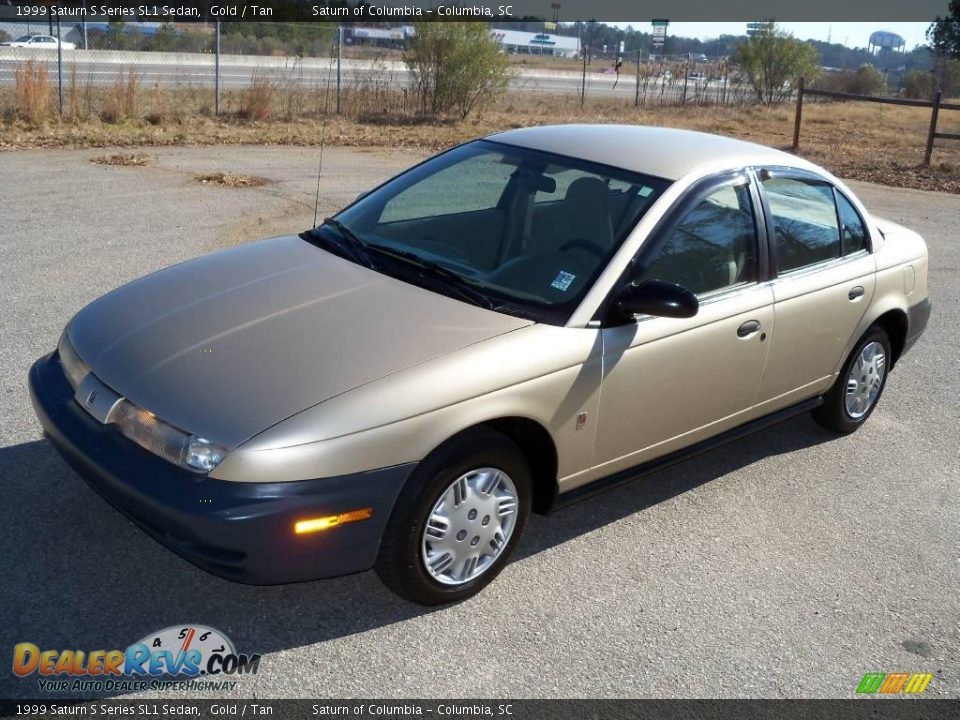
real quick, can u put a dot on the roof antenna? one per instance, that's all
(323, 137)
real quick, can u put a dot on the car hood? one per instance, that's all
(232, 343)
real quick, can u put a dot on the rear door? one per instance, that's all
(823, 282)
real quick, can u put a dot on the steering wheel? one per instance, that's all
(581, 244)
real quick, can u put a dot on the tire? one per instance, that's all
(836, 412)
(473, 461)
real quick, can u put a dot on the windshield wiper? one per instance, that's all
(359, 250)
(345, 231)
(455, 282)
(354, 247)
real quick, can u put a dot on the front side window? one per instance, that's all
(805, 225)
(714, 246)
(527, 229)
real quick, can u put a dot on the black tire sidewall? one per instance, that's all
(400, 564)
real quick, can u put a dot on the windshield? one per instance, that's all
(23, 38)
(526, 230)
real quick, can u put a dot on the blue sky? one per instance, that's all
(852, 34)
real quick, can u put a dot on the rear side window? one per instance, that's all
(854, 231)
(804, 222)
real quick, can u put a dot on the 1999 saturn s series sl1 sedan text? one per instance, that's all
(512, 324)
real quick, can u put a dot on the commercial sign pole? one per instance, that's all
(659, 36)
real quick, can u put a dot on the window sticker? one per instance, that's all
(563, 280)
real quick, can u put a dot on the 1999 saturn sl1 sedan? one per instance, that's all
(512, 324)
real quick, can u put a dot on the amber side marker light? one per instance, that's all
(325, 523)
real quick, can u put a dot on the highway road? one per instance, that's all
(101, 67)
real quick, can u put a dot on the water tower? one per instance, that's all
(884, 41)
(886, 44)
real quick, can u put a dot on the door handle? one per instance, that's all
(856, 292)
(748, 328)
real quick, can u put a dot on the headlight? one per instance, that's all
(154, 435)
(73, 367)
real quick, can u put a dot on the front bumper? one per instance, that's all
(237, 530)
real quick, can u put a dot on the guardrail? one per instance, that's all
(936, 105)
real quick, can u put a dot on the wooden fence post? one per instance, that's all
(798, 117)
(933, 128)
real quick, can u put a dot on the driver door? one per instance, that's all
(668, 383)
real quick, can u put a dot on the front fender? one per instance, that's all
(542, 373)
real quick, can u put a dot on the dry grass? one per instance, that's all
(258, 100)
(123, 98)
(872, 142)
(231, 180)
(122, 159)
(32, 91)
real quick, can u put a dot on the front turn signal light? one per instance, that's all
(317, 524)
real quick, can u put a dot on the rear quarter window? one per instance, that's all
(854, 230)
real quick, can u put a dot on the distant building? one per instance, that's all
(528, 43)
(379, 37)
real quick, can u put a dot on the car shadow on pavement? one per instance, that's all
(607, 507)
(76, 574)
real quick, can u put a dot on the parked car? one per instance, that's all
(48, 42)
(510, 326)
(697, 77)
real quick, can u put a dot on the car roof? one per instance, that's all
(663, 152)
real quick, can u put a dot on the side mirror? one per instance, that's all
(659, 298)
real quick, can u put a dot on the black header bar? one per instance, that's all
(640, 14)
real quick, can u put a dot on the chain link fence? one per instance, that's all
(690, 83)
(254, 71)
(261, 71)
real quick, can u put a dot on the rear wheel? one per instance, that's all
(854, 395)
(457, 520)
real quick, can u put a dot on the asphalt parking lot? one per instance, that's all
(784, 565)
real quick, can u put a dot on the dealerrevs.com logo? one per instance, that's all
(197, 657)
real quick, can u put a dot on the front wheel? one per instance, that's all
(457, 520)
(854, 395)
